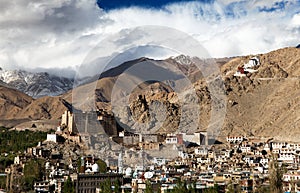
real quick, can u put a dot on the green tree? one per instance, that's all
(149, 188)
(105, 186)
(159, 189)
(117, 186)
(12, 140)
(213, 189)
(293, 186)
(33, 171)
(6, 161)
(263, 189)
(102, 166)
(69, 186)
(275, 176)
(180, 187)
(230, 188)
(2, 182)
(78, 164)
(192, 188)
(233, 188)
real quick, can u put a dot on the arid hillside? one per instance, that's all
(12, 102)
(263, 102)
(17, 107)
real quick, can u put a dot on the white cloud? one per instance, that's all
(60, 33)
(295, 22)
(223, 35)
(45, 33)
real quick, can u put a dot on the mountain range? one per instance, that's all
(36, 84)
(262, 103)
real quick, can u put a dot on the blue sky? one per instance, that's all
(272, 6)
(157, 4)
(60, 34)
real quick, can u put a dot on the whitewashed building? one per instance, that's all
(234, 139)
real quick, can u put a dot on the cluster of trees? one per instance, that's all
(69, 186)
(34, 170)
(105, 186)
(2, 182)
(182, 187)
(276, 176)
(14, 141)
(6, 161)
(102, 166)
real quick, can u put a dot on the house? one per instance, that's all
(159, 161)
(171, 139)
(42, 187)
(253, 62)
(286, 157)
(240, 72)
(54, 138)
(199, 138)
(201, 151)
(278, 145)
(246, 148)
(149, 145)
(234, 139)
(264, 161)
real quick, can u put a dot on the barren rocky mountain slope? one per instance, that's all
(263, 103)
(16, 107)
(12, 102)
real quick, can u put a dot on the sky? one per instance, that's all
(59, 34)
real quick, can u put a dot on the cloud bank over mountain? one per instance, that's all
(60, 34)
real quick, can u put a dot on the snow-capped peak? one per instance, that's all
(183, 59)
(36, 84)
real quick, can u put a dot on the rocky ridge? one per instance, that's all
(36, 85)
(263, 103)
